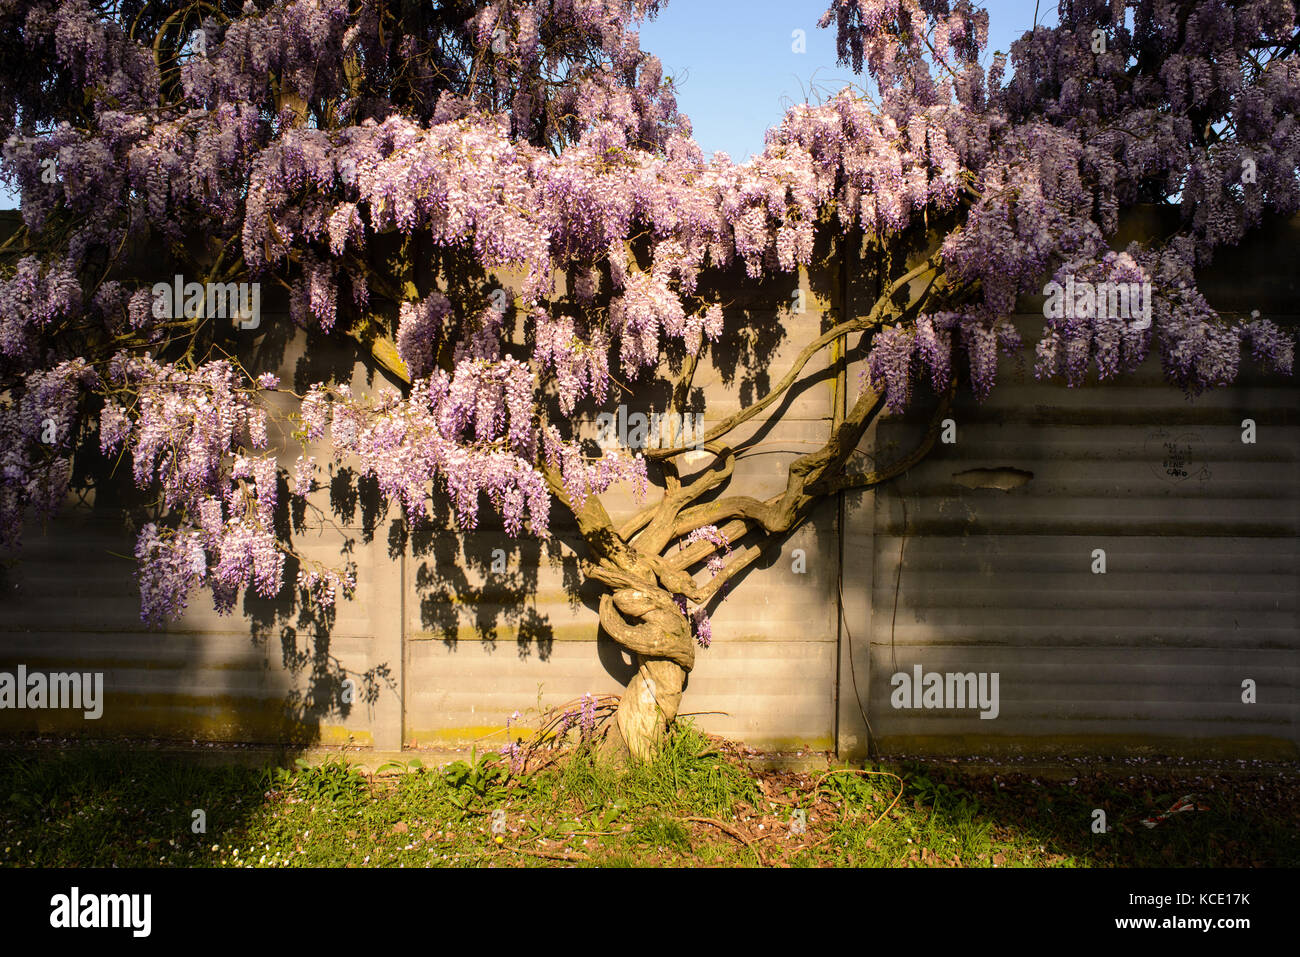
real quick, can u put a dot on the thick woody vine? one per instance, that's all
(379, 163)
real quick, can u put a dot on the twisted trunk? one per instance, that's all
(648, 706)
(664, 651)
(646, 577)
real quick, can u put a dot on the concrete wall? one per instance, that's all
(1200, 589)
(1199, 532)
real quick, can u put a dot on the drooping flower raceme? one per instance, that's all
(389, 185)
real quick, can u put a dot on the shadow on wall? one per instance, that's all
(276, 671)
(267, 673)
(475, 584)
(283, 670)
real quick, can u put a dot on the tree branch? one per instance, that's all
(381, 349)
(861, 480)
(660, 525)
(744, 557)
(859, 323)
(665, 632)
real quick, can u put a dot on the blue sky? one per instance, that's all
(736, 70)
(737, 73)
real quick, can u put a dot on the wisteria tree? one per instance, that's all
(386, 162)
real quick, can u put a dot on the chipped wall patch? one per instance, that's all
(1004, 478)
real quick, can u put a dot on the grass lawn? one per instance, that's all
(697, 804)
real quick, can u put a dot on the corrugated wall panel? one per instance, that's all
(267, 672)
(1199, 592)
(499, 643)
(260, 674)
(451, 645)
(483, 644)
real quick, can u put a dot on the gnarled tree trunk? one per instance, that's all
(649, 705)
(648, 576)
(659, 637)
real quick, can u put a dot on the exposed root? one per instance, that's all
(554, 855)
(728, 829)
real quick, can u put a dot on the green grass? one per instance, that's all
(695, 805)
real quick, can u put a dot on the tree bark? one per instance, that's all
(648, 706)
(664, 649)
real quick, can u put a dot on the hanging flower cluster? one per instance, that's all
(309, 138)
